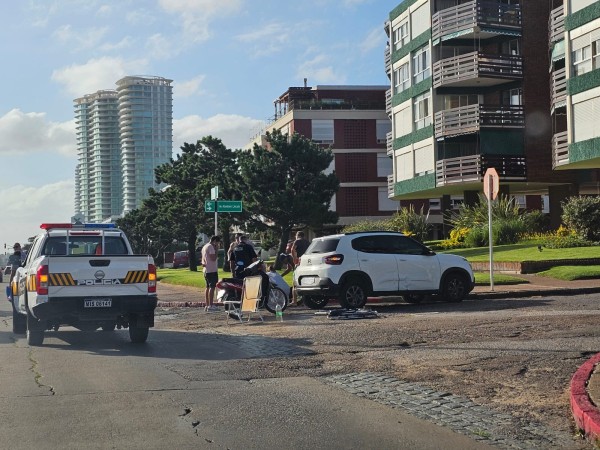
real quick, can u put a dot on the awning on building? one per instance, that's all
(558, 51)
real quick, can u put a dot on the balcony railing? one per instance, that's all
(390, 183)
(556, 25)
(388, 102)
(471, 68)
(482, 14)
(389, 143)
(472, 118)
(558, 88)
(560, 149)
(472, 168)
(387, 57)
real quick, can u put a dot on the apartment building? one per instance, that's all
(353, 122)
(574, 40)
(122, 136)
(469, 90)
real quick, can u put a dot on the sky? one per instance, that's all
(228, 59)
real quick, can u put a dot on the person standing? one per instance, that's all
(243, 255)
(211, 271)
(288, 259)
(299, 247)
(235, 243)
(14, 261)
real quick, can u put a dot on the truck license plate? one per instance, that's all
(98, 303)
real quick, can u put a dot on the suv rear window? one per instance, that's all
(323, 246)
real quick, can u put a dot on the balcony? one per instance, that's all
(483, 19)
(472, 118)
(387, 56)
(477, 70)
(469, 169)
(558, 89)
(389, 144)
(560, 149)
(388, 103)
(556, 25)
(390, 184)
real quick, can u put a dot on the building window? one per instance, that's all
(401, 78)
(322, 131)
(384, 165)
(512, 97)
(421, 65)
(435, 204)
(357, 201)
(596, 54)
(582, 60)
(457, 101)
(383, 127)
(422, 111)
(384, 202)
(401, 35)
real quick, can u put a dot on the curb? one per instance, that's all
(585, 413)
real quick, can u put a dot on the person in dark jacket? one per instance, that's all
(243, 254)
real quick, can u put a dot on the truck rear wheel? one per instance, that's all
(19, 322)
(138, 335)
(35, 331)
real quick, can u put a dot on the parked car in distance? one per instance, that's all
(181, 259)
(7, 270)
(354, 266)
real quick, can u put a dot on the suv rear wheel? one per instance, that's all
(314, 302)
(353, 294)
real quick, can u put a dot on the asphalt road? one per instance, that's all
(187, 389)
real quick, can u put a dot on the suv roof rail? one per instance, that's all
(374, 231)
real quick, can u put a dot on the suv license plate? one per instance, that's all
(98, 303)
(308, 281)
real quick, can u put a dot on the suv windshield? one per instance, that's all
(323, 246)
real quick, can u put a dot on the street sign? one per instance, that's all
(491, 184)
(214, 193)
(228, 206)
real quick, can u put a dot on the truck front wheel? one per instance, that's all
(138, 335)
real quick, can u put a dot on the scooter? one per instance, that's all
(230, 289)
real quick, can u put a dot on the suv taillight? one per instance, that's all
(151, 278)
(334, 260)
(41, 280)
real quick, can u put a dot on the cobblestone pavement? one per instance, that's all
(442, 408)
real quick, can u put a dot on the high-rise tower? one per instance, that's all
(146, 132)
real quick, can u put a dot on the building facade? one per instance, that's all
(98, 187)
(353, 122)
(122, 136)
(470, 90)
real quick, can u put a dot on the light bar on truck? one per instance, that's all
(76, 226)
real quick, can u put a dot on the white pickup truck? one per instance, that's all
(86, 276)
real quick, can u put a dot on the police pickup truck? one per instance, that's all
(85, 276)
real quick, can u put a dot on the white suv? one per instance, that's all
(353, 266)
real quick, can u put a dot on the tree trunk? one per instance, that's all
(285, 237)
(192, 253)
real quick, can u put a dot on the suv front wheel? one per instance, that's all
(455, 288)
(353, 294)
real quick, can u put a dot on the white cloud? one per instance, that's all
(140, 17)
(31, 133)
(161, 47)
(96, 74)
(235, 131)
(320, 70)
(124, 43)
(374, 40)
(196, 15)
(80, 40)
(49, 203)
(189, 87)
(269, 38)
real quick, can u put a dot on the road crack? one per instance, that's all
(37, 376)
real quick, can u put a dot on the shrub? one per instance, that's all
(366, 225)
(477, 237)
(408, 221)
(508, 231)
(582, 214)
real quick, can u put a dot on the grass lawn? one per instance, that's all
(185, 277)
(526, 251)
(483, 278)
(570, 273)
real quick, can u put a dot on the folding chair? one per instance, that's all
(251, 296)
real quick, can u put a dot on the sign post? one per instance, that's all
(214, 195)
(491, 186)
